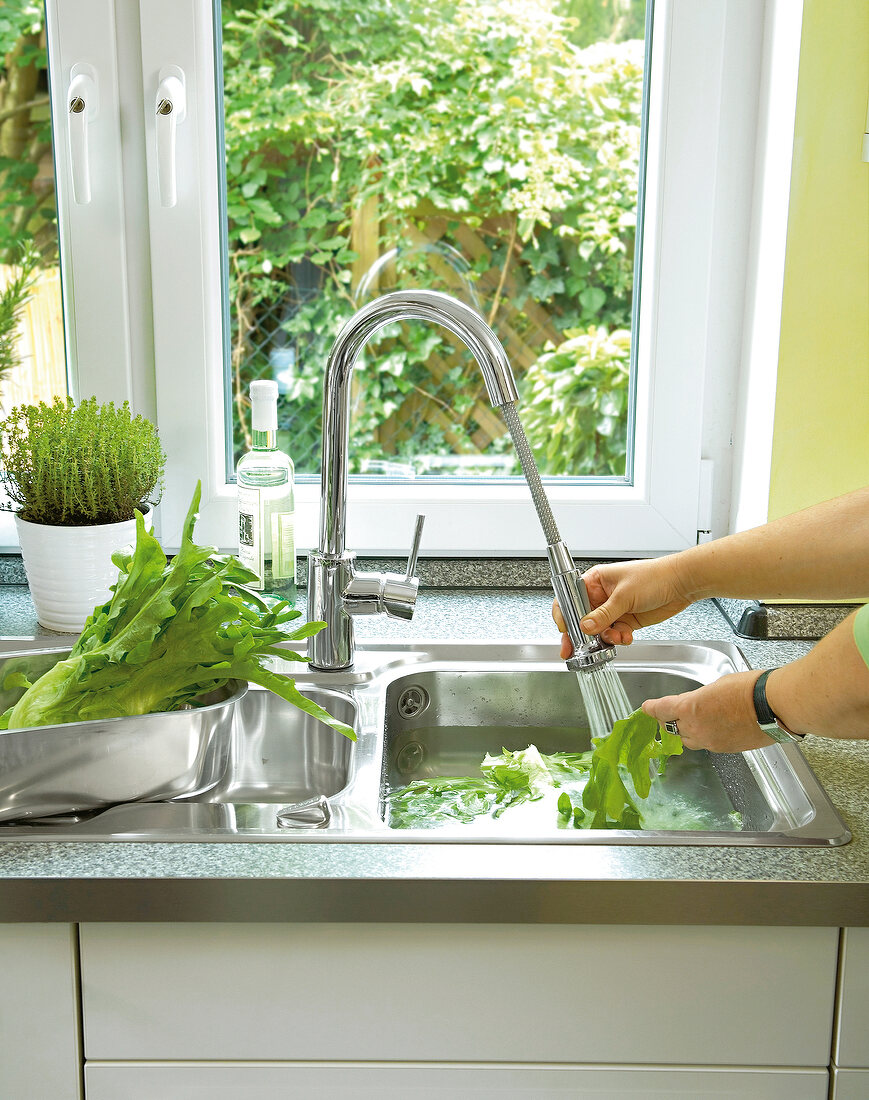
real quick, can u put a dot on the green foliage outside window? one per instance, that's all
(575, 402)
(27, 211)
(485, 115)
(506, 130)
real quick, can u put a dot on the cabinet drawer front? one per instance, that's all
(39, 1040)
(852, 1030)
(850, 1084)
(384, 1082)
(499, 993)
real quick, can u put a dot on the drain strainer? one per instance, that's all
(410, 758)
(412, 701)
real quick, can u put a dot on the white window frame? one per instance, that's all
(104, 270)
(699, 62)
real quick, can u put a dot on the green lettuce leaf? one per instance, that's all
(635, 743)
(522, 770)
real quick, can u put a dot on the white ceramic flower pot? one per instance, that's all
(70, 569)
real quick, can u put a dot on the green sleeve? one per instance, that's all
(861, 632)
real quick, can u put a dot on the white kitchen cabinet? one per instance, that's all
(689, 996)
(848, 1084)
(39, 1032)
(438, 1082)
(851, 1048)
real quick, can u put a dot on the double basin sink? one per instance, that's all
(436, 709)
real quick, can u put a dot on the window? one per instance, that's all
(100, 343)
(153, 268)
(491, 151)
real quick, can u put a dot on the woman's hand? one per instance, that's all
(719, 716)
(825, 693)
(625, 596)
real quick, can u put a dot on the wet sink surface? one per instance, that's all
(437, 709)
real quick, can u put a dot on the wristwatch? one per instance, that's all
(773, 727)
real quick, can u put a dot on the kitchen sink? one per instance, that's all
(434, 709)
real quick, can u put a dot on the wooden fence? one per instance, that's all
(41, 374)
(524, 331)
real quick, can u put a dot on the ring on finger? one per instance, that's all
(672, 727)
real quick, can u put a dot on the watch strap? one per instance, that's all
(771, 725)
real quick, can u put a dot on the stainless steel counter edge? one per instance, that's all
(434, 900)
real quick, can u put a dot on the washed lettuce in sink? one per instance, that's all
(505, 781)
(599, 789)
(170, 633)
(635, 743)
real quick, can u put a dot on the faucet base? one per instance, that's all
(328, 577)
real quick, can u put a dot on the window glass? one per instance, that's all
(32, 360)
(489, 150)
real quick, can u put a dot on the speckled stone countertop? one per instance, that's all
(589, 883)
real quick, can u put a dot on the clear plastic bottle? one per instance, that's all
(266, 500)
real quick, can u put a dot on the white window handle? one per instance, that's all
(82, 108)
(171, 108)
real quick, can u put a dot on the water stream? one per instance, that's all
(605, 699)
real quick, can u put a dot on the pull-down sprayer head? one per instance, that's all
(589, 654)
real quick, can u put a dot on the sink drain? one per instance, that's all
(410, 758)
(412, 701)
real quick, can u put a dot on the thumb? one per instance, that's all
(599, 619)
(662, 709)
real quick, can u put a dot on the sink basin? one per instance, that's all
(435, 709)
(280, 754)
(443, 723)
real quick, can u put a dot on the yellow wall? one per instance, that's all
(821, 432)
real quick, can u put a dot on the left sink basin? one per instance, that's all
(280, 754)
(242, 745)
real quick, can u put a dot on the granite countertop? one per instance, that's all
(589, 883)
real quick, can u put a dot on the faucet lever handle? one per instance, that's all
(414, 548)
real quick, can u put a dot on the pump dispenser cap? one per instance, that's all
(264, 406)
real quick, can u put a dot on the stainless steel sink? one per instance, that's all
(437, 708)
(443, 723)
(280, 754)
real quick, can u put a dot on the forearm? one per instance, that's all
(819, 553)
(827, 691)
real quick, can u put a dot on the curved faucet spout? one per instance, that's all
(421, 305)
(336, 591)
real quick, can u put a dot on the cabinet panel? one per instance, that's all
(381, 1082)
(494, 993)
(850, 1084)
(852, 1028)
(39, 1048)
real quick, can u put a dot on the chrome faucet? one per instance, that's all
(336, 591)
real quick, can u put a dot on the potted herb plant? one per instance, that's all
(76, 475)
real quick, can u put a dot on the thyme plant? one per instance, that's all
(72, 465)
